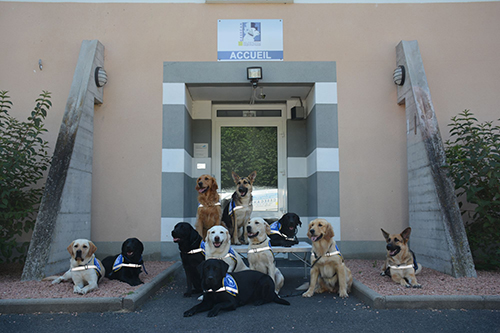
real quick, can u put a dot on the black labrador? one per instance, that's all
(126, 266)
(223, 291)
(284, 231)
(189, 240)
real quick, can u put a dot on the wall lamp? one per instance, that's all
(399, 75)
(254, 74)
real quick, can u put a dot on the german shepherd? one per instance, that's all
(401, 264)
(237, 212)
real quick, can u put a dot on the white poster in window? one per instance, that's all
(250, 40)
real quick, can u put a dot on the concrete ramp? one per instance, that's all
(438, 235)
(65, 210)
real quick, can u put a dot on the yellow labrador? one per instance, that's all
(327, 264)
(260, 253)
(218, 246)
(85, 269)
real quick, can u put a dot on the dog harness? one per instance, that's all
(267, 248)
(229, 285)
(215, 204)
(232, 207)
(198, 250)
(328, 254)
(276, 230)
(118, 264)
(95, 266)
(414, 266)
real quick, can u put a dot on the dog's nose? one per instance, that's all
(200, 184)
(249, 229)
(78, 254)
(311, 231)
(217, 239)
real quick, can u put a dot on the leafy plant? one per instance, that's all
(473, 161)
(23, 160)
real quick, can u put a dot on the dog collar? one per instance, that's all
(229, 285)
(260, 249)
(95, 266)
(215, 204)
(401, 267)
(119, 263)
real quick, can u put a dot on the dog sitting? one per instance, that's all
(209, 211)
(224, 291)
(85, 269)
(401, 264)
(260, 253)
(284, 231)
(192, 255)
(126, 266)
(327, 264)
(238, 210)
(218, 246)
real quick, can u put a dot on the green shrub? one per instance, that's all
(23, 160)
(473, 161)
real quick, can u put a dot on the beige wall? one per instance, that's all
(459, 45)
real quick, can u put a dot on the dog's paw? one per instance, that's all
(188, 313)
(78, 290)
(417, 286)
(382, 273)
(343, 295)
(308, 294)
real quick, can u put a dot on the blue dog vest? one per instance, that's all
(230, 285)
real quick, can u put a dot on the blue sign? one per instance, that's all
(250, 40)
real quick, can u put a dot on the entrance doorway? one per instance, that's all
(249, 138)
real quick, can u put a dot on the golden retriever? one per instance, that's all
(400, 263)
(327, 264)
(85, 269)
(260, 253)
(218, 246)
(209, 211)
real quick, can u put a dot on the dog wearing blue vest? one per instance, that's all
(401, 264)
(260, 253)
(224, 291)
(85, 269)
(127, 265)
(239, 208)
(284, 231)
(218, 246)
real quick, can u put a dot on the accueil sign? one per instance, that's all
(247, 40)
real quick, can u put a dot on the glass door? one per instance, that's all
(252, 138)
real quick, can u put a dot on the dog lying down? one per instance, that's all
(401, 264)
(126, 266)
(223, 291)
(85, 269)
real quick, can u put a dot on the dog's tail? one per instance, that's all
(280, 300)
(419, 265)
(50, 278)
(303, 286)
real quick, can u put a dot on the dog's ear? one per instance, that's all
(92, 248)
(329, 231)
(235, 177)
(406, 234)
(385, 233)
(214, 186)
(298, 221)
(200, 267)
(223, 266)
(268, 228)
(70, 248)
(309, 229)
(252, 176)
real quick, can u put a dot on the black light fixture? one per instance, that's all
(254, 74)
(399, 75)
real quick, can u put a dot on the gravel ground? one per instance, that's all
(11, 286)
(433, 282)
(365, 271)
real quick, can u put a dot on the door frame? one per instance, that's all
(279, 122)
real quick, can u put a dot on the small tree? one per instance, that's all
(23, 160)
(473, 158)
